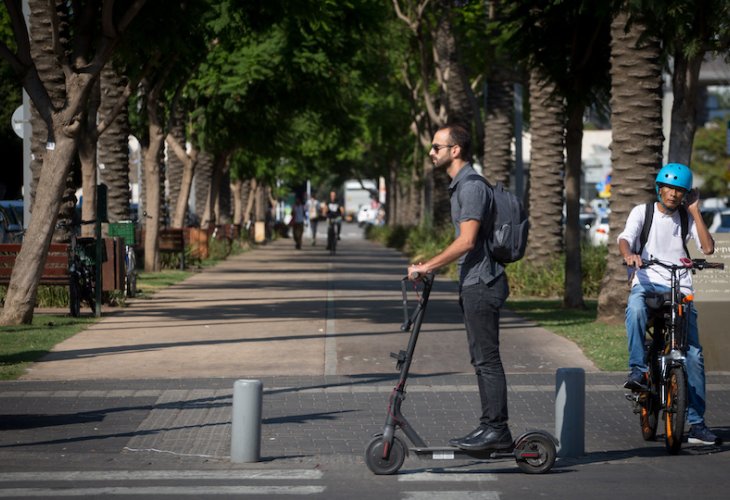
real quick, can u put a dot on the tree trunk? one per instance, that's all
(547, 164)
(459, 103)
(573, 297)
(175, 166)
(113, 145)
(636, 148)
(203, 174)
(498, 131)
(685, 85)
(236, 188)
(41, 50)
(153, 184)
(189, 163)
(21, 294)
(223, 215)
(87, 158)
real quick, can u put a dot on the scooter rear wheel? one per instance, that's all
(385, 466)
(535, 454)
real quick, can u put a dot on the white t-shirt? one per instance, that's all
(660, 245)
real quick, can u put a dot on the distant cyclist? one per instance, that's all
(674, 196)
(335, 211)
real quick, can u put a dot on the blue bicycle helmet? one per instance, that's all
(674, 174)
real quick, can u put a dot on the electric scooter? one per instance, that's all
(534, 451)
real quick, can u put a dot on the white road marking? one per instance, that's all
(446, 476)
(450, 495)
(152, 475)
(147, 491)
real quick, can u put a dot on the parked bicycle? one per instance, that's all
(666, 349)
(126, 230)
(82, 270)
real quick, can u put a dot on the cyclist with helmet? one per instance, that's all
(665, 242)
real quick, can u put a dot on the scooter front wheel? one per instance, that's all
(535, 454)
(385, 466)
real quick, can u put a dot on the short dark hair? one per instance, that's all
(459, 134)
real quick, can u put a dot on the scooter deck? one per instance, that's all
(452, 452)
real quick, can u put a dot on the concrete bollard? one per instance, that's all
(246, 421)
(570, 400)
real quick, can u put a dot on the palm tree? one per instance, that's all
(498, 130)
(636, 150)
(547, 165)
(113, 144)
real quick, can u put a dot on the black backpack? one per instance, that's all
(649, 216)
(507, 223)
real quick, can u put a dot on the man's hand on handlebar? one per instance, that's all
(416, 271)
(633, 260)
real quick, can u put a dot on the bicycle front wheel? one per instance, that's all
(676, 409)
(649, 405)
(74, 296)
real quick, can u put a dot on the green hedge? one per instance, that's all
(421, 243)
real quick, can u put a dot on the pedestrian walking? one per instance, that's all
(297, 222)
(313, 212)
(483, 286)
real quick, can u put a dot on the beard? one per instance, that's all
(444, 162)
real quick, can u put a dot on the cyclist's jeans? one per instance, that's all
(480, 304)
(636, 319)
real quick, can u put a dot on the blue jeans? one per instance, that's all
(636, 319)
(480, 305)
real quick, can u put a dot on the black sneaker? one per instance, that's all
(700, 434)
(636, 381)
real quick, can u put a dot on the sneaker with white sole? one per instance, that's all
(700, 434)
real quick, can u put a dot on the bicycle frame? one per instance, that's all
(674, 342)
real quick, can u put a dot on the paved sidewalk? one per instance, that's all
(152, 384)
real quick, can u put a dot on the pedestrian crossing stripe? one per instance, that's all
(152, 475)
(446, 476)
(145, 491)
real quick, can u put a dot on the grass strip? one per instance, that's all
(603, 344)
(24, 344)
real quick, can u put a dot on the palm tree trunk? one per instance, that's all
(203, 174)
(685, 85)
(498, 131)
(636, 150)
(547, 163)
(113, 145)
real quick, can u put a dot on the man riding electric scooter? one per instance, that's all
(483, 286)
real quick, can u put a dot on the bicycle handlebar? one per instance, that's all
(685, 263)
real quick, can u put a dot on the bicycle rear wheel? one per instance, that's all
(676, 408)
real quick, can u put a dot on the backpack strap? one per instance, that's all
(489, 220)
(649, 216)
(684, 223)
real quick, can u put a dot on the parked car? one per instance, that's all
(598, 232)
(11, 221)
(366, 215)
(718, 221)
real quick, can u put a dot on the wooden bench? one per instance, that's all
(170, 241)
(55, 271)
